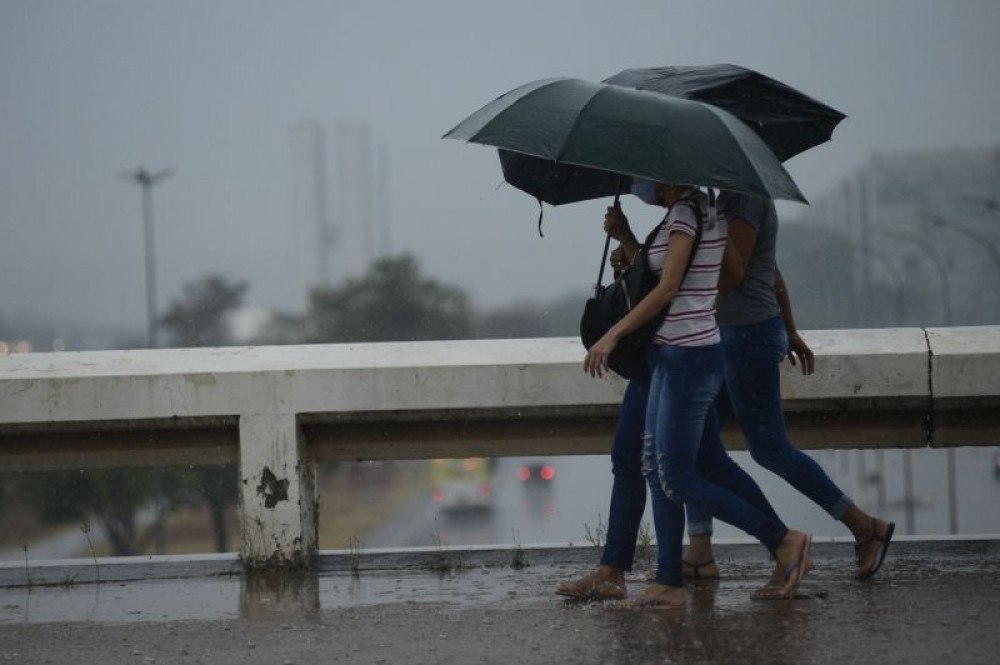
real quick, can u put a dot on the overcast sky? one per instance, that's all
(89, 88)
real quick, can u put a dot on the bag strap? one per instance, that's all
(697, 234)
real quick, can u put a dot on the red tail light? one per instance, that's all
(547, 472)
(523, 473)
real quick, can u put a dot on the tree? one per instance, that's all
(114, 496)
(201, 316)
(393, 302)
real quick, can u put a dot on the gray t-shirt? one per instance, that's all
(753, 301)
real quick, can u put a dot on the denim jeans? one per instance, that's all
(684, 384)
(628, 491)
(752, 393)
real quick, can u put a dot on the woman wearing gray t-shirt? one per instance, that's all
(758, 331)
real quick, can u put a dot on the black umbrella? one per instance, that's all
(787, 120)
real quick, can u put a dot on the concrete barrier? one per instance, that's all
(276, 410)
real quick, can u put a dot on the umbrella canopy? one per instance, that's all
(573, 123)
(789, 121)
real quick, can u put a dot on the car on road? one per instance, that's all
(462, 484)
(535, 471)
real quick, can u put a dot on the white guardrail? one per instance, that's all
(277, 410)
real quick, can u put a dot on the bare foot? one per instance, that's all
(792, 562)
(871, 548)
(606, 583)
(658, 597)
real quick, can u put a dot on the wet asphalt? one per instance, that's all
(934, 601)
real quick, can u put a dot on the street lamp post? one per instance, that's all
(942, 268)
(951, 480)
(146, 180)
(987, 244)
(885, 261)
(972, 234)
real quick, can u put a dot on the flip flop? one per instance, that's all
(864, 576)
(695, 575)
(792, 576)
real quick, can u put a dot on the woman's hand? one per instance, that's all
(616, 224)
(596, 362)
(797, 348)
(618, 260)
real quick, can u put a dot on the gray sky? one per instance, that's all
(89, 88)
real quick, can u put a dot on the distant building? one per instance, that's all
(340, 215)
(928, 218)
(310, 222)
(353, 199)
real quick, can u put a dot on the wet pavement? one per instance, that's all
(935, 601)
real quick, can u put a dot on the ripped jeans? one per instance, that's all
(683, 386)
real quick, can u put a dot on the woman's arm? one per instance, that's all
(681, 246)
(796, 345)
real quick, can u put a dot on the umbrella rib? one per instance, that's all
(576, 121)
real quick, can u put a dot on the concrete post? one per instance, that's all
(278, 506)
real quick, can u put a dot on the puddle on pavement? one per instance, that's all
(287, 596)
(155, 600)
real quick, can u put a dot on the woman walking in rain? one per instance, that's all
(757, 331)
(686, 363)
(628, 495)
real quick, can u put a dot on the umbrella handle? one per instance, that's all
(607, 245)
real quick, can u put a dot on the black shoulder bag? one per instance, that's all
(610, 304)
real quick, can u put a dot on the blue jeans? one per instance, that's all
(628, 491)
(684, 384)
(753, 354)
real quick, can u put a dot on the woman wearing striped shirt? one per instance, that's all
(686, 364)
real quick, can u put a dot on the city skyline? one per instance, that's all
(102, 87)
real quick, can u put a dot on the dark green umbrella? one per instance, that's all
(622, 131)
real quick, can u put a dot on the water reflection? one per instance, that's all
(279, 594)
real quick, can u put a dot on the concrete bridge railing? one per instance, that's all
(278, 410)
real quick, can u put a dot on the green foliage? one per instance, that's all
(393, 302)
(114, 496)
(218, 488)
(199, 317)
(555, 318)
